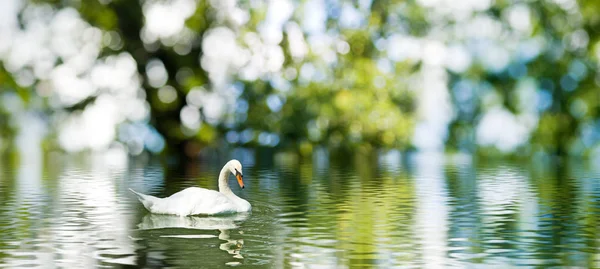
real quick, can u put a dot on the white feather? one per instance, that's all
(199, 201)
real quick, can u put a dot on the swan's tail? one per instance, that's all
(147, 200)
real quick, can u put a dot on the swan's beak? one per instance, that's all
(240, 179)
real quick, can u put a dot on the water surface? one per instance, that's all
(377, 212)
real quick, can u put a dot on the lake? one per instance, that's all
(380, 211)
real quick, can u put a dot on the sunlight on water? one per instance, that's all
(424, 211)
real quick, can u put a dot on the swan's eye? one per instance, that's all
(238, 173)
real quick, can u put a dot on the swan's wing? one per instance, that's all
(194, 201)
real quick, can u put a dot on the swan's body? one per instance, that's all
(199, 201)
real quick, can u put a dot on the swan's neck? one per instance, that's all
(241, 204)
(223, 184)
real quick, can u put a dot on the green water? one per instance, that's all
(423, 211)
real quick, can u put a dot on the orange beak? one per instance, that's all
(240, 179)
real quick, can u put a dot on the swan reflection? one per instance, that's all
(154, 221)
(232, 246)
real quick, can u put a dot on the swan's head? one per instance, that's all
(236, 169)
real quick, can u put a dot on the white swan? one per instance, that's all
(199, 201)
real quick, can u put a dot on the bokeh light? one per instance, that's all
(430, 75)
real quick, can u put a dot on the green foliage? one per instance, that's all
(356, 102)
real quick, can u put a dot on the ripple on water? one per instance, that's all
(391, 216)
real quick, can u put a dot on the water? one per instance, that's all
(374, 212)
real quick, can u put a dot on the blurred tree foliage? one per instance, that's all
(360, 98)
